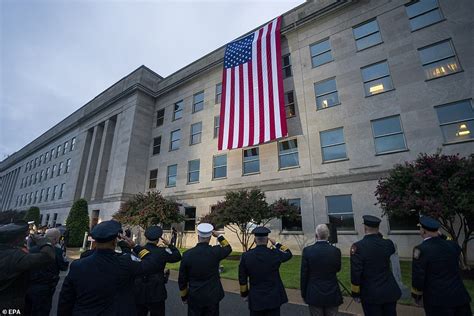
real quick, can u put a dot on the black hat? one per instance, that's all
(153, 233)
(261, 231)
(371, 221)
(106, 231)
(429, 223)
(12, 230)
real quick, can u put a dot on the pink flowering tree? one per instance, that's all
(437, 185)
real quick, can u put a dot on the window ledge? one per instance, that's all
(424, 27)
(372, 95)
(173, 149)
(335, 160)
(250, 174)
(194, 182)
(332, 106)
(458, 142)
(288, 168)
(453, 73)
(361, 50)
(223, 178)
(170, 186)
(392, 152)
(289, 232)
(404, 232)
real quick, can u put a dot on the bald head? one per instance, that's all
(322, 232)
(53, 234)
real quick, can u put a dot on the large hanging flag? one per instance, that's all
(252, 104)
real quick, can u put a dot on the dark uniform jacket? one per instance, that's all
(150, 288)
(15, 265)
(199, 280)
(371, 276)
(49, 275)
(261, 265)
(319, 265)
(435, 273)
(102, 283)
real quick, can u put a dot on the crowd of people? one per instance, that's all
(133, 281)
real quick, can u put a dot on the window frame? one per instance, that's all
(288, 153)
(174, 141)
(289, 105)
(446, 142)
(153, 153)
(180, 111)
(218, 96)
(160, 120)
(321, 53)
(217, 123)
(188, 219)
(454, 55)
(443, 18)
(214, 167)
(389, 75)
(325, 93)
(199, 102)
(402, 132)
(341, 213)
(333, 145)
(198, 171)
(367, 35)
(250, 161)
(191, 136)
(68, 165)
(290, 231)
(73, 144)
(61, 191)
(168, 176)
(286, 66)
(152, 180)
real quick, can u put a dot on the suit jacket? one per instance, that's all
(102, 283)
(319, 265)
(435, 273)
(371, 276)
(199, 280)
(261, 267)
(150, 288)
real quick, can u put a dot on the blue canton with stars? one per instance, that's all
(238, 52)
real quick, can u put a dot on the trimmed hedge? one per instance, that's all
(33, 214)
(77, 223)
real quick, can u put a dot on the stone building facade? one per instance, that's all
(368, 84)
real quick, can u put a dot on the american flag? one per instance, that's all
(252, 104)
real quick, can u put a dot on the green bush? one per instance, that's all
(77, 223)
(33, 214)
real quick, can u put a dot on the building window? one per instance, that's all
(340, 212)
(41, 195)
(178, 110)
(423, 13)
(196, 131)
(21, 183)
(46, 156)
(293, 224)
(61, 190)
(27, 166)
(53, 153)
(156, 145)
(53, 171)
(175, 139)
(405, 222)
(388, 135)
(36, 163)
(30, 199)
(367, 35)
(288, 153)
(219, 166)
(36, 197)
(68, 165)
(17, 198)
(171, 175)
(321, 53)
(46, 198)
(160, 117)
(36, 178)
(55, 218)
(439, 59)
(65, 147)
(198, 102)
(333, 146)
(286, 61)
(47, 173)
(60, 168)
(30, 180)
(53, 196)
(290, 104)
(377, 78)
(41, 175)
(456, 120)
(193, 170)
(47, 219)
(58, 151)
(73, 143)
(153, 179)
(251, 161)
(189, 219)
(326, 94)
(216, 125)
(218, 92)
(40, 160)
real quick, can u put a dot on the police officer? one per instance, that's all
(102, 283)
(260, 266)
(199, 281)
(319, 265)
(16, 263)
(436, 281)
(150, 290)
(372, 280)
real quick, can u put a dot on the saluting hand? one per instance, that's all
(272, 241)
(215, 234)
(165, 241)
(129, 241)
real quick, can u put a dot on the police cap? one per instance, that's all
(106, 231)
(12, 230)
(153, 233)
(371, 221)
(205, 230)
(261, 231)
(429, 223)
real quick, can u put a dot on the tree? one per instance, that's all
(77, 223)
(146, 209)
(436, 185)
(9, 216)
(33, 214)
(244, 209)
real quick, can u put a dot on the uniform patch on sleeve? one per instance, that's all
(416, 253)
(353, 249)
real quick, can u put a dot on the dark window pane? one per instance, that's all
(160, 117)
(251, 167)
(220, 172)
(198, 102)
(389, 143)
(420, 7)
(335, 136)
(405, 222)
(196, 128)
(442, 68)
(153, 174)
(458, 131)
(190, 218)
(320, 48)
(339, 204)
(455, 112)
(334, 152)
(220, 160)
(387, 126)
(322, 59)
(368, 41)
(194, 165)
(426, 19)
(375, 71)
(250, 154)
(378, 86)
(289, 160)
(289, 97)
(325, 86)
(288, 146)
(366, 29)
(436, 52)
(342, 221)
(327, 100)
(178, 110)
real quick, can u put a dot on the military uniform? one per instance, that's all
(371, 276)
(261, 267)
(16, 262)
(150, 290)
(436, 277)
(199, 280)
(102, 283)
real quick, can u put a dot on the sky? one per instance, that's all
(55, 56)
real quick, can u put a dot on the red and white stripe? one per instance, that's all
(252, 104)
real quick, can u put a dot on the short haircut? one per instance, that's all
(322, 231)
(53, 234)
(261, 240)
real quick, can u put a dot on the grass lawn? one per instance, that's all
(290, 273)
